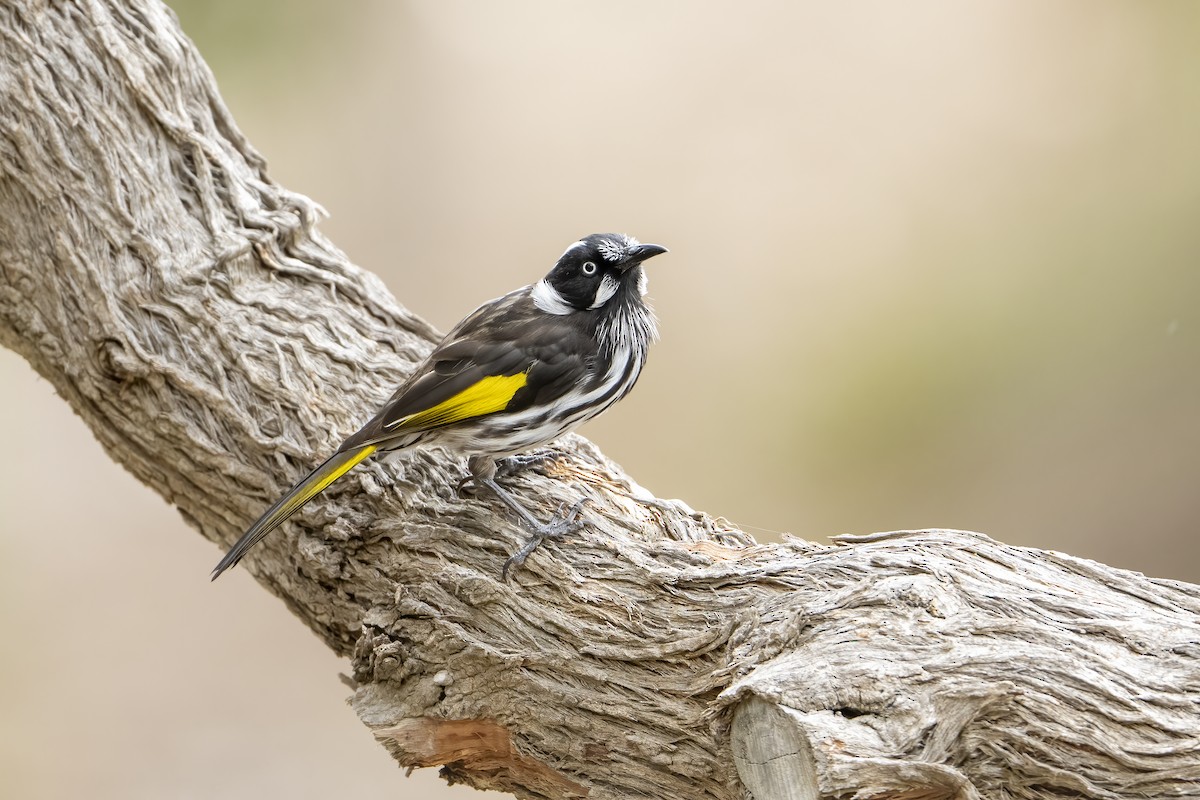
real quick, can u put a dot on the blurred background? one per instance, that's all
(932, 264)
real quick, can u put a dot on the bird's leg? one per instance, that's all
(513, 465)
(564, 521)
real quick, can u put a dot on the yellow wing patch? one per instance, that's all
(487, 395)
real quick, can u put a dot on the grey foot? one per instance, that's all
(562, 523)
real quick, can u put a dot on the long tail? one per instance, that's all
(313, 484)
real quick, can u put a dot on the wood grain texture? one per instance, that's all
(218, 346)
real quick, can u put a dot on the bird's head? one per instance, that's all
(593, 271)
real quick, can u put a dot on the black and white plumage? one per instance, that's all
(515, 374)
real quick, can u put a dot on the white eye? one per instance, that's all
(589, 268)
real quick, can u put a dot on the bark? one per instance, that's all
(218, 346)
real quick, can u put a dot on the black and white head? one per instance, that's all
(593, 272)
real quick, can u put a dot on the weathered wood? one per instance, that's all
(188, 309)
(943, 664)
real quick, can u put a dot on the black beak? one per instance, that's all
(641, 252)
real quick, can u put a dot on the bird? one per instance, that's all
(512, 376)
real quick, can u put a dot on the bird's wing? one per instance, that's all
(462, 379)
(507, 360)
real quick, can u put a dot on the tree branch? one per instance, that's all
(218, 346)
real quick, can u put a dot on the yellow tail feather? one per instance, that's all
(313, 484)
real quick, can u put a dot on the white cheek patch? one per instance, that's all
(604, 292)
(547, 298)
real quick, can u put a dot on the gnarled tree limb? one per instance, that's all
(217, 345)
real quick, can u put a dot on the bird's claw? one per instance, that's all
(562, 523)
